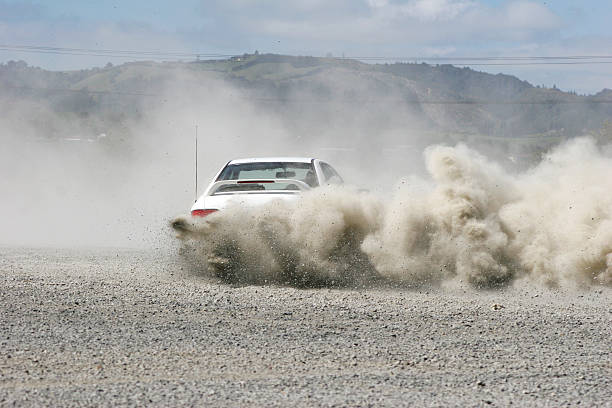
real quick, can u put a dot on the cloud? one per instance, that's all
(432, 10)
(306, 27)
(295, 10)
(584, 79)
(518, 20)
(391, 27)
(91, 35)
(18, 12)
(421, 22)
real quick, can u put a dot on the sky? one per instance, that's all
(409, 30)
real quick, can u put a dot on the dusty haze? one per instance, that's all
(435, 215)
(59, 191)
(471, 223)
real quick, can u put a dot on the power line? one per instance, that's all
(501, 60)
(538, 63)
(323, 101)
(490, 58)
(458, 60)
(110, 53)
(59, 49)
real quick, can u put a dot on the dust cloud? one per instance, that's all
(470, 221)
(72, 181)
(77, 180)
(111, 167)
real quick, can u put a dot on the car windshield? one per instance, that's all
(270, 170)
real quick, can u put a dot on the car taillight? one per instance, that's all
(201, 213)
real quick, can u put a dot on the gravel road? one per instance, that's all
(106, 327)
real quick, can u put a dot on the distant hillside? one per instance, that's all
(310, 95)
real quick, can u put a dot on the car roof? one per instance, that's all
(273, 159)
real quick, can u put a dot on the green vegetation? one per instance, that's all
(313, 96)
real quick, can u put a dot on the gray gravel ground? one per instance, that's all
(126, 328)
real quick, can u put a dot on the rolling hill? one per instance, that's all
(309, 95)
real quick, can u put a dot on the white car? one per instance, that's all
(252, 182)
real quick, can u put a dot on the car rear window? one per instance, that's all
(270, 170)
(256, 187)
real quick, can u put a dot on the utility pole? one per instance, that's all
(196, 163)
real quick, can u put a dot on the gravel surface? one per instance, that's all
(132, 328)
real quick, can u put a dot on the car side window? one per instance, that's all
(330, 174)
